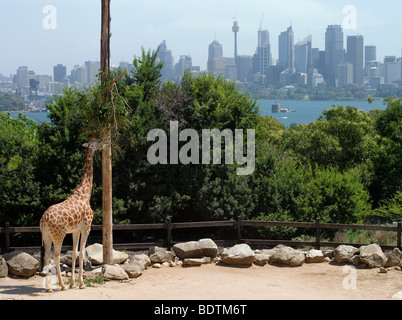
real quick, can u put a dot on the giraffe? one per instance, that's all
(73, 215)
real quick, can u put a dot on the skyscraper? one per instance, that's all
(262, 56)
(345, 74)
(93, 68)
(303, 55)
(334, 53)
(287, 50)
(165, 56)
(79, 74)
(22, 79)
(216, 62)
(59, 73)
(370, 55)
(355, 56)
(244, 65)
(184, 64)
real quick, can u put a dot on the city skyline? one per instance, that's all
(187, 30)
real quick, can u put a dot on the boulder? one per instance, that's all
(95, 273)
(196, 261)
(345, 253)
(328, 253)
(67, 259)
(134, 269)
(113, 272)
(136, 265)
(314, 256)
(208, 247)
(261, 258)
(21, 264)
(394, 259)
(94, 253)
(287, 255)
(355, 260)
(142, 259)
(3, 268)
(196, 249)
(189, 249)
(268, 252)
(160, 255)
(240, 254)
(373, 256)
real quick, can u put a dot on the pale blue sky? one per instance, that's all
(188, 26)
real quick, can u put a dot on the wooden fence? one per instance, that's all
(169, 226)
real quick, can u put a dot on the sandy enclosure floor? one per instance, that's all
(219, 282)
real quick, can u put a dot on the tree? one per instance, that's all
(10, 102)
(58, 165)
(19, 189)
(146, 73)
(388, 170)
(107, 205)
(390, 208)
(335, 197)
(343, 137)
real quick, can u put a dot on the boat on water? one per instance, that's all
(276, 108)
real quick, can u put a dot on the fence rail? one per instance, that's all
(8, 230)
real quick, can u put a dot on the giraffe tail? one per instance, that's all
(42, 256)
(42, 248)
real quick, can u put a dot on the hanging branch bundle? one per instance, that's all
(104, 108)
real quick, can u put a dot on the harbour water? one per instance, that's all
(309, 111)
(38, 117)
(304, 111)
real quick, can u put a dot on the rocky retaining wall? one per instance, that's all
(195, 253)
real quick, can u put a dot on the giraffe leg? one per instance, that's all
(56, 258)
(47, 244)
(76, 237)
(84, 237)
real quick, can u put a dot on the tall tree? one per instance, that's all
(107, 220)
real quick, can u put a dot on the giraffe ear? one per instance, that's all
(85, 145)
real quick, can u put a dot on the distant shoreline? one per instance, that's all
(22, 111)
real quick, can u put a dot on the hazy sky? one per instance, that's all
(188, 26)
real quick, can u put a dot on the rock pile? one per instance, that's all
(196, 253)
(370, 255)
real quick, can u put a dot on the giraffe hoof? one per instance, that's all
(49, 290)
(72, 285)
(82, 286)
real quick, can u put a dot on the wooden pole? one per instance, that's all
(317, 234)
(107, 213)
(169, 233)
(238, 230)
(7, 234)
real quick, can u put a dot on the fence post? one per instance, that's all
(238, 229)
(169, 233)
(7, 233)
(398, 233)
(317, 233)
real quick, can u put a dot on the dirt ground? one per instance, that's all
(219, 282)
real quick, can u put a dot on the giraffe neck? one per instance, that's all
(85, 186)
